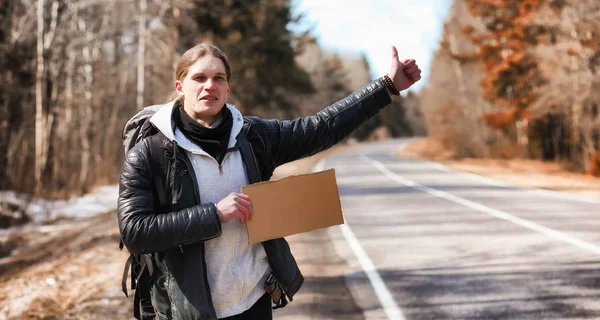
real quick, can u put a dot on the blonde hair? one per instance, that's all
(194, 54)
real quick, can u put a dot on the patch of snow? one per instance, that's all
(100, 200)
(51, 281)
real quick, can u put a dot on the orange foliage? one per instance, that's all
(594, 169)
(467, 30)
(501, 119)
(572, 52)
(511, 73)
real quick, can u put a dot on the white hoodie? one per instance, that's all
(236, 270)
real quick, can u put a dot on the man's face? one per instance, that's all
(205, 89)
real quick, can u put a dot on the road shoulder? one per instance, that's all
(519, 172)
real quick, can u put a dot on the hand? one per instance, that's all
(403, 74)
(235, 205)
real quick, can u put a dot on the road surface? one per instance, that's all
(420, 242)
(424, 242)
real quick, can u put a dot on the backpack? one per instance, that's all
(137, 127)
(142, 266)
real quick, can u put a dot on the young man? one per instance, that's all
(189, 213)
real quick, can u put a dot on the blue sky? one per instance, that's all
(373, 26)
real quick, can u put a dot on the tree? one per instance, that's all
(255, 36)
(539, 80)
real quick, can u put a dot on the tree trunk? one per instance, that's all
(522, 136)
(54, 65)
(141, 54)
(67, 127)
(39, 108)
(87, 108)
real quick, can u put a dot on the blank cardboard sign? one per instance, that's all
(293, 205)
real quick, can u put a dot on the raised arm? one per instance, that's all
(301, 137)
(294, 139)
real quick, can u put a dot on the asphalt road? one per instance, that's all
(425, 242)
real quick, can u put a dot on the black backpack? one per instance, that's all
(143, 266)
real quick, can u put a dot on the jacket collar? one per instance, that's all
(163, 122)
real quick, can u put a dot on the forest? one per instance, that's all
(518, 79)
(73, 72)
(510, 79)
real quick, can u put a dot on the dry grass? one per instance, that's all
(72, 269)
(68, 271)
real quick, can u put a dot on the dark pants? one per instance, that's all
(261, 310)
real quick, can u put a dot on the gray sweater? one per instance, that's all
(236, 270)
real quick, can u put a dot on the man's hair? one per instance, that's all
(194, 54)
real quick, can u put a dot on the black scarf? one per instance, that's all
(212, 140)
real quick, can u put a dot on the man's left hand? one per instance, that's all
(404, 74)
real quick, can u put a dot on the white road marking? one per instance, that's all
(494, 182)
(472, 176)
(498, 183)
(386, 300)
(481, 208)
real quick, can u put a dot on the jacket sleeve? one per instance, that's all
(144, 231)
(294, 139)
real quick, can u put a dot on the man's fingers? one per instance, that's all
(412, 69)
(408, 63)
(244, 202)
(395, 55)
(414, 73)
(236, 205)
(247, 204)
(240, 214)
(244, 212)
(242, 208)
(418, 74)
(243, 196)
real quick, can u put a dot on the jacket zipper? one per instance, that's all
(221, 164)
(197, 193)
(190, 170)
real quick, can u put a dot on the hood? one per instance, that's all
(163, 122)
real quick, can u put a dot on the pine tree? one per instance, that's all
(254, 35)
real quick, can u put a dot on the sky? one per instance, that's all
(373, 26)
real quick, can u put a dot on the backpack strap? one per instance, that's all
(249, 158)
(156, 154)
(142, 302)
(128, 265)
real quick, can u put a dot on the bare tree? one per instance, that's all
(40, 129)
(141, 53)
(69, 64)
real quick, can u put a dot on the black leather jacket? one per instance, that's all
(175, 231)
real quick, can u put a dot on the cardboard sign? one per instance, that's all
(293, 205)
